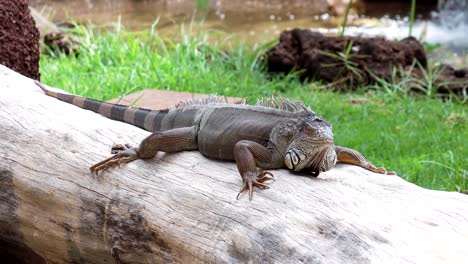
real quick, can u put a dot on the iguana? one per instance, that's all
(274, 133)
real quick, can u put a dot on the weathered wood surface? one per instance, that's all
(162, 99)
(181, 208)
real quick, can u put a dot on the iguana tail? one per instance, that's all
(146, 119)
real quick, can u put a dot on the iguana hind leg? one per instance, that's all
(248, 155)
(173, 140)
(351, 156)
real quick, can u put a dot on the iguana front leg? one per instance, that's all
(174, 140)
(248, 155)
(351, 156)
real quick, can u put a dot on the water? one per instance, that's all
(453, 13)
(261, 21)
(234, 16)
(253, 23)
(447, 26)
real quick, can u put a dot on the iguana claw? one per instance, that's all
(382, 170)
(251, 180)
(119, 158)
(117, 148)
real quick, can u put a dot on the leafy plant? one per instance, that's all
(345, 62)
(345, 19)
(428, 47)
(415, 79)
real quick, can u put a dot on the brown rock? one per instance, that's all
(161, 99)
(325, 57)
(355, 60)
(19, 38)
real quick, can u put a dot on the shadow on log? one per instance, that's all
(181, 208)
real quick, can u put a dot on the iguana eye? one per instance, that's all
(309, 128)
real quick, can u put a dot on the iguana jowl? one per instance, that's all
(269, 135)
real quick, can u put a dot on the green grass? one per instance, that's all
(411, 19)
(345, 19)
(423, 139)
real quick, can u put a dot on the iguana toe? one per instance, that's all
(382, 170)
(265, 176)
(251, 180)
(120, 158)
(117, 148)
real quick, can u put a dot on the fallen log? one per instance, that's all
(181, 208)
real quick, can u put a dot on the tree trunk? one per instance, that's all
(182, 208)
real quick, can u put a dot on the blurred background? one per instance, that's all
(443, 22)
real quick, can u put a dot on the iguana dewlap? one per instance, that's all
(274, 133)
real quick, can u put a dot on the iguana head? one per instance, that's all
(312, 147)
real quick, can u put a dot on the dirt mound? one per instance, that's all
(19, 38)
(353, 61)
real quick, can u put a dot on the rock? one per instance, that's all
(355, 61)
(56, 37)
(161, 99)
(19, 38)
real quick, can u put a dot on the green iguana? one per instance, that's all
(274, 133)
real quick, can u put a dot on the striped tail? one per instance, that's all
(149, 120)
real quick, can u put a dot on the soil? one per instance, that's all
(19, 38)
(353, 61)
(62, 41)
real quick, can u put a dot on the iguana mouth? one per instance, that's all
(323, 142)
(323, 160)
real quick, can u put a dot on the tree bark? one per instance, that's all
(182, 208)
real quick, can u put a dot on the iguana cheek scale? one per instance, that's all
(274, 133)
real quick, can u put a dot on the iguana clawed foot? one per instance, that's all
(382, 170)
(117, 148)
(121, 157)
(251, 180)
(351, 156)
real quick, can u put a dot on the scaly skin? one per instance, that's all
(273, 134)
